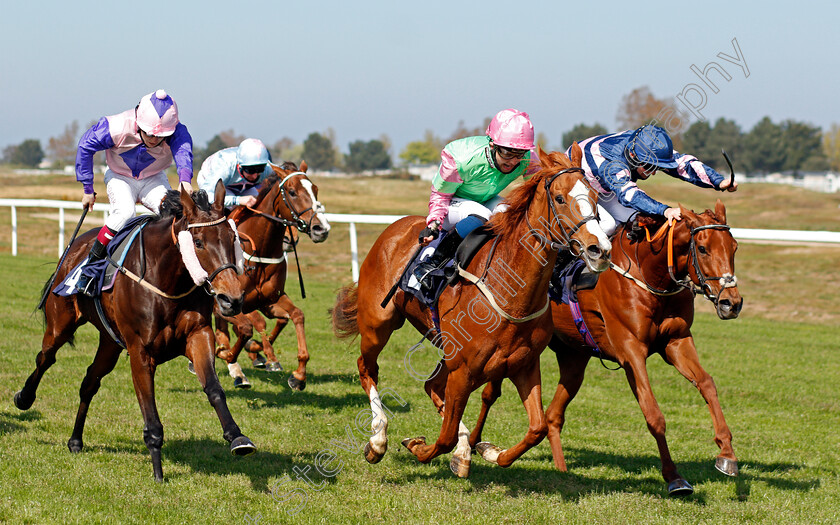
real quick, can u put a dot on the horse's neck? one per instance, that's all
(648, 261)
(163, 261)
(521, 265)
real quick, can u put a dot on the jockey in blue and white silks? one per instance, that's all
(241, 169)
(613, 163)
(139, 145)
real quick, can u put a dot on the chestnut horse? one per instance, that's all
(286, 200)
(645, 306)
(162, 314)
(485, 334)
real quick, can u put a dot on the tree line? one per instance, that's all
(766, 148)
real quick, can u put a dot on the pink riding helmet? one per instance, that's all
(511, 128)
(157, 114)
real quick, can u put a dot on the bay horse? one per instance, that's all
(645, 306)
(287, 202)
(162, 314)
(480, 340)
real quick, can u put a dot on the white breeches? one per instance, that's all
(462, 208)
(124, 192)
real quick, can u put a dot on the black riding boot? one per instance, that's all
(445, 251)
(85, 283)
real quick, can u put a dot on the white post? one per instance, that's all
(354, 252)
(60, 231)
(14, 231)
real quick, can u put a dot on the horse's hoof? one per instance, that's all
(680, 487)
(75, 445)
(273, 366)
(488, 451)
(727, 466)
(21, 403)
(259, 361)
(460, 466)
(241, 382)
(372, 456)
(296, 384)
(410, 443)
(242, 446)
(191, 367)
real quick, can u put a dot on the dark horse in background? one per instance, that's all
(287, 202)
(481, 340)
(643, 306)
(163, 314)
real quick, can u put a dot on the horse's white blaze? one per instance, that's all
(379, 423)
(317, 207)
(580, 193)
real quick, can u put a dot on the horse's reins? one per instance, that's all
(728, 281)
(297, 222)
(553, 243)
(208, 287)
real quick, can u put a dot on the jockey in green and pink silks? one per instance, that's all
(473, 171)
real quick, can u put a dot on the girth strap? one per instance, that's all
(489, 295)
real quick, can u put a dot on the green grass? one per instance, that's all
(778, 384)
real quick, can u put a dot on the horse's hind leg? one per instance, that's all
(435, 387)
(107, 356)
(489, 396)
(61, 325)
(683, 355)
(285, 308)
(243, 329)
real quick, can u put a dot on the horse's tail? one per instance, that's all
(344, 312)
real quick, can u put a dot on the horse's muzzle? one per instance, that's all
(318, 233)
(229, 306)
(727, 309)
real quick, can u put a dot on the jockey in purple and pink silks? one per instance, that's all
(139, 145)
(613, 163)
(473, 171)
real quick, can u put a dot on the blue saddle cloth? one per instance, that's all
(115, 250)
(562, 278)
(436, 280)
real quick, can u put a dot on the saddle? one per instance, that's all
(104, 270)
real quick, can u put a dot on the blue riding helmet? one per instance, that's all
(651, 145)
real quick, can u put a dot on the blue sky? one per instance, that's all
(270, 69)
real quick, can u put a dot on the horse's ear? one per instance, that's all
(577, 154)
(688, 216)
(541, 154)
(219, 197)
(303, 166)
(187, 202)
(720, 211)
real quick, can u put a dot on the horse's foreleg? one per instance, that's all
(253, 348)
(639, 382)
(222, 336)
(457, 394)
(489, 395)
(143, 376)
(436, 389)
(683, 355)
(572, 368)
(200, 344)
(243, 329)
(528, 385)
(373, 341)
(285, 307)
(107, 356)
(61, 325)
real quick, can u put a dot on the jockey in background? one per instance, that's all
(241, 169)
(139, 145)
(473, 171)
(614, 163)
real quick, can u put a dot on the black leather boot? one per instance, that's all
(85, 283)
(444, 252)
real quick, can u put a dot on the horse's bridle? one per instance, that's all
(297, 222)
(566, 241)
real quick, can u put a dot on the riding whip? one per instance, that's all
(48, 288)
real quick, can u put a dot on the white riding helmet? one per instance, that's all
(252, 152)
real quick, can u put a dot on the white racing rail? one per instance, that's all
(353, 219)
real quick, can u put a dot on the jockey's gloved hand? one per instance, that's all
(432, 230)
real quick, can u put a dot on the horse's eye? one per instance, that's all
(701, 249)
(198, 243)
(559, 199)
(292, 193)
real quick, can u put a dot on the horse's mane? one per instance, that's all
(269, 181)
(520, 198)
(171, 205)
